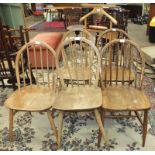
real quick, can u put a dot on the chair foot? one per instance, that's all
(98, 119)
(11, 125)
(144, 127)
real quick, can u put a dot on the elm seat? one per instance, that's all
(52, 39)
(124, 98)
(32, 98)
(79, 98)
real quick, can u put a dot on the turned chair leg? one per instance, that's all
(145, 127)
(50, 117)
(100, 134)
(60, 124)
(11, 125)
(99, 121)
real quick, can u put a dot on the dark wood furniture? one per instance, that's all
(11, 40)
(72, 16)
(6, 67)
(121, 15)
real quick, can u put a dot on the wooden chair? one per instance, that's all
(78, 32)
(16, 38)
(33, 97)
(11, 41)
(5, 72)
(78, 97)
(123, 95)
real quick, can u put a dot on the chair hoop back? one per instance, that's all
(122, 60)
(36, 60)
(78, 55)
(111, 34)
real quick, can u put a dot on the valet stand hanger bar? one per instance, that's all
(99, 5)
(98, 10)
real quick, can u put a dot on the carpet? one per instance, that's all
(54, 26)
(80, 130)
